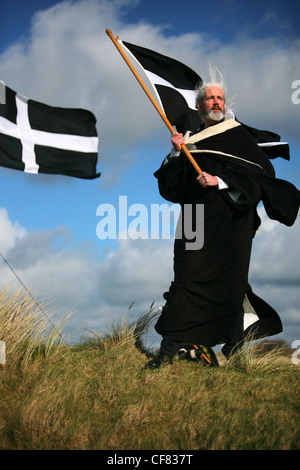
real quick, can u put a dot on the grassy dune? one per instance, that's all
(98, 396)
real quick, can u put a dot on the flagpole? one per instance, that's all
(155, 104)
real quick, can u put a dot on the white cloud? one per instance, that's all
(261, 73)
(275, 250)
(138, 270)
(10, 232)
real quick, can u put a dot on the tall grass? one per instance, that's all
(98, 395)
(123, 329)
(25, 327)
(255, 355)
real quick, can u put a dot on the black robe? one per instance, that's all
(210, 283)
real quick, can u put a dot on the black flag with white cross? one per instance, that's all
(38, 138)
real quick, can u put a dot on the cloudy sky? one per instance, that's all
(58, 53)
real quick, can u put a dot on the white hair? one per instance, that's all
(216, 79)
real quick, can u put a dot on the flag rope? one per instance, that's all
(146, 90)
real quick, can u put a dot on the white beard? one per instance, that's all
(215, 116)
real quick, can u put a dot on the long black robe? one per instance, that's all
(210, 283)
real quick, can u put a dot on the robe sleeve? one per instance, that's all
(171, 178)
(280, 198)
(244, 185)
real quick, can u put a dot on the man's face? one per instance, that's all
(212, 106)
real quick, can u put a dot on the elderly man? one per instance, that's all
(204, 304)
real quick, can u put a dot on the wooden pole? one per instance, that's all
(155, 104)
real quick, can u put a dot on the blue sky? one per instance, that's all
(251, 18)
(58, 53)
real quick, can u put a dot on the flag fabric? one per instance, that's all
(38, 138)
(174, 85)
(269, 142)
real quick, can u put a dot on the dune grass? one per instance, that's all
(97, 395)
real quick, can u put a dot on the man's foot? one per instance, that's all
(159, 360)
(198, 353)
